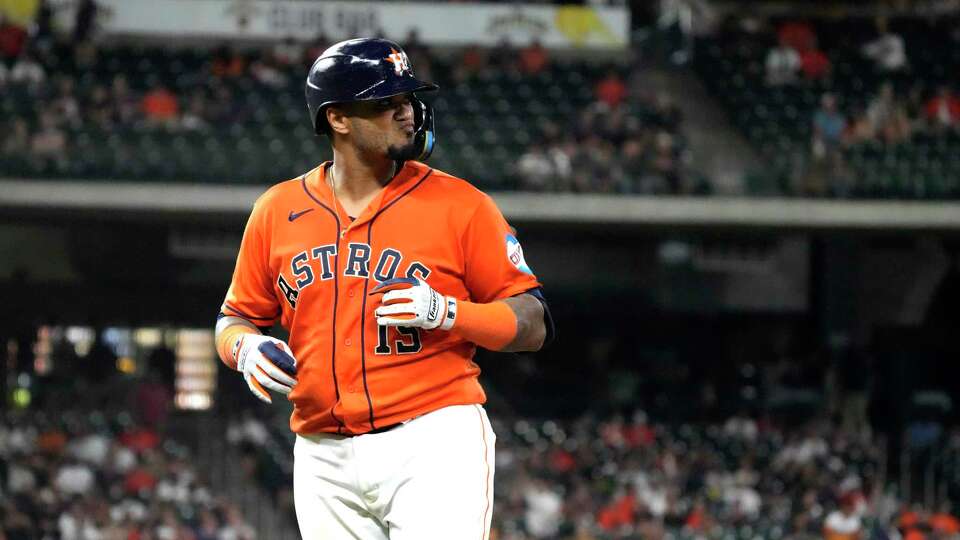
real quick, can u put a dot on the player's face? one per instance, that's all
(384, 126)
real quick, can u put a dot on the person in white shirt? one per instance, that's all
(843, 523)
(782, 65)
(887, 50)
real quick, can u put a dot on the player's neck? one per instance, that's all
(357, 181)
(357, 177)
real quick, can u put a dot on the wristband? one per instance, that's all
(492, 326)
(228, 340)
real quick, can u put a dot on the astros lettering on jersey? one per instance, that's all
(305, 263)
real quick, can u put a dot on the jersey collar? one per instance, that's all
(409, 174)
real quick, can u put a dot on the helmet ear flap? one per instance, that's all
(424, 137)
(320, 124)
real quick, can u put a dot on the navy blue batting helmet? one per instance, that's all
(363, 70)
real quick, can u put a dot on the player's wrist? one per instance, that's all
(492, 326)
(229, 341)
(450, 315)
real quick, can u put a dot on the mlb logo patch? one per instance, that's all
(515, 254)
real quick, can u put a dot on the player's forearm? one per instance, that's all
(227, 331)
(531, 330)
(509, 325)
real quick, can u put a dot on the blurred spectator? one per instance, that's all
(814, 64)
(741, 425)
(65, 104)
(42, 31)
(194, 117)
(49, 143)
(944, 523)
(265, 71)
(782, 65)
(85, 21)
(418, 53)
(152, 398)
(472, 61)
(28, 71)
(235, 528)
(888, 116)
(543, 509)
(503, 56)
(16, 141)
(289, 52)
(12, 39)
(223, 108)
(797, 35)
(160, 106)
(535, 169)
(887, 50)
(611, 90)
(99, 108)
(620, 513)
(855, 374)
(667, 114)
(74, 477)
(126, 106)
(533, 58)
(843, 523)
(828, 126)
(227, 63)
(943, 109)
(860, 129)
(665, 161)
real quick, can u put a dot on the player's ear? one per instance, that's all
(338, 120)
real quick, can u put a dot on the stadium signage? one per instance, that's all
(566, 27)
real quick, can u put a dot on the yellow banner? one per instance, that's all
(20, 12)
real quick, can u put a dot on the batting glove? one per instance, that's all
(266, 363)
(412, 303)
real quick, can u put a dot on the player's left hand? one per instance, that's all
(412, 303)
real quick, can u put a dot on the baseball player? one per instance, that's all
(387, 274)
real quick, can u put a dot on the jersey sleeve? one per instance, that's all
(251, 294)
(493, 259)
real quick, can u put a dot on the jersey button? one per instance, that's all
(348, 342)
(350, 294)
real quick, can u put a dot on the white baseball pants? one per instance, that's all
(428, 479)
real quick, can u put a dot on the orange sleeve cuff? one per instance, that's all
(227, 339)
(492, 326)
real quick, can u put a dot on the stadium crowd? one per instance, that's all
(604, 477)
(844, 107)
(623, 140)
(104, 476)
(626, 141)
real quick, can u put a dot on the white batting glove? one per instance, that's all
(266, 363)
(412, 303)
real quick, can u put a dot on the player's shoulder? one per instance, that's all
(453, 187)
(282, 191)
(280, 197)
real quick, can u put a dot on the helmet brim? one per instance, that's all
(395, 87)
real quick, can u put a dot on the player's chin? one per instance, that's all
(403, 152)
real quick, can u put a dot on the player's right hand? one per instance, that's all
(266, 363)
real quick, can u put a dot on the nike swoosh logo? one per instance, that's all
(294, 215)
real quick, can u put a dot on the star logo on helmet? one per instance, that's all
(399, 61)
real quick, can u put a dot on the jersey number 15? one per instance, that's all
(404, 340)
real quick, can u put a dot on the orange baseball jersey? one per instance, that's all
(305, 262)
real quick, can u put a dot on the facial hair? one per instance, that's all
(404, 152)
